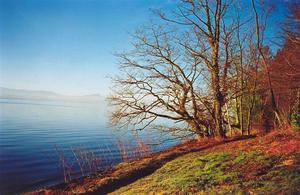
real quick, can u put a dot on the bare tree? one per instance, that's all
(179, 71)
(291, 28)
(260, 27)
(160, 81)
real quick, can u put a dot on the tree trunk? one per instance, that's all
(228, 119)
(249, 121)
(241, 115)
(265, 64)
(237, 113)
(218, 103)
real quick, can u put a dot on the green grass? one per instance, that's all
(222, 173)
(268, 164)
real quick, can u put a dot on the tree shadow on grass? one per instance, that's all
(152, 166)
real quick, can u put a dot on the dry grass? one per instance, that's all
(280, 143)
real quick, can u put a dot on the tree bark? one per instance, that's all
(265, 64)
(218, 104)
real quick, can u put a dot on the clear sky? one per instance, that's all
(67, 46)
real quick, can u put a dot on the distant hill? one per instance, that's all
(7, 93)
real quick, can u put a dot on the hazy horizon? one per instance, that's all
(49, 91)
(67, 46)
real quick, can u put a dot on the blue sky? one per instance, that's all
(67, 46)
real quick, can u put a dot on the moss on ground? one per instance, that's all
(222, 173)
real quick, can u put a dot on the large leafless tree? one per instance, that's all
(184, 71)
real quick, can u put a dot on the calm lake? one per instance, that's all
(32, 131)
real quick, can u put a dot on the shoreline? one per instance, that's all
(113, 178)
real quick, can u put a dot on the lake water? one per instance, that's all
(31, 130)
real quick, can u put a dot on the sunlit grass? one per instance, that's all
(222, 173)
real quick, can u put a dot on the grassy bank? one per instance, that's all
(267, 164)
(223, 171)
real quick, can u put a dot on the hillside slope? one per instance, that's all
(265, 165)
(268, 164)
